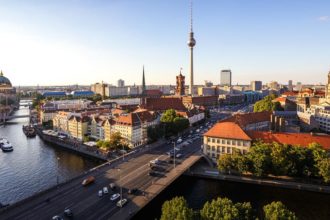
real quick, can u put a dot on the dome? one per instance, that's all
(4, 80)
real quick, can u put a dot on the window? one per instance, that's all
(218, 140)
(228, 141)
(213, 140)
(213, 148)
(208, 139)
(228, 150)
(233, 142)
(223, 150)
(223, 141)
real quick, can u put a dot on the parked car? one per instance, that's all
(100, 193)
(178, 155)
(105, 190)
(68, 212)
(114, 196)
(88, 180)
(57, 217)
(121, 202)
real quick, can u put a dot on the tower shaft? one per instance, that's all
(191, 70)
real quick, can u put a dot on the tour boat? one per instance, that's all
(3, 141)
(29, 131)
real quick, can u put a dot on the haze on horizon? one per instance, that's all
(84, 41)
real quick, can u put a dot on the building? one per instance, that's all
(54, 94)
(180, 85)
(256, 85)
(82, 94)
(273, 85)
(290, 85)
(164, 103)
(226, 137)
(207, 91)
(327, 89)
(206, 101)
(99, 88)
(8, 99)
(257, 121)
(231, 99)
(133, 126)
(225, 78)
(194, 115)
(78, 126)
(120, 83)
(298, 86)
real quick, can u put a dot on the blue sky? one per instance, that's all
(85, 41)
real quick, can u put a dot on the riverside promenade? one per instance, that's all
(203, 171)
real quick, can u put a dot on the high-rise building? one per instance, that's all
(327, 89)
(225, 78)
(120, 83)
(290, 85)
(256, 85)
(298, 86)
(180, 84)
(273, 85)
(191, 43)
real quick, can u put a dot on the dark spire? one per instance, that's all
(143, 81)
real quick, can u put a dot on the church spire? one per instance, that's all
(143, 81)
(1, 73)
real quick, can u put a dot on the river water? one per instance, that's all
(34, 166)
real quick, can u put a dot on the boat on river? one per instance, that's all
(7, 147)
(29, 131)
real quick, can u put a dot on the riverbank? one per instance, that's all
(202, 171)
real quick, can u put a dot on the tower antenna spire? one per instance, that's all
(191, 15)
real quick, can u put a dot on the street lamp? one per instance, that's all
(174, 153)
(121, 188)
(57, 176)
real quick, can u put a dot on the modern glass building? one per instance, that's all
(225, 78)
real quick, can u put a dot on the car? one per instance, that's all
(155, 161)
(105, 190)
(121, 202)
(179, 141)
(114, 196)
(178, 155)
(88, 181)
(152, 173)
(68, 212)
(112, 186)
(132, 191)
(100, 193)
(57, 217)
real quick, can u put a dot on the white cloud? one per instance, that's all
(324, 18)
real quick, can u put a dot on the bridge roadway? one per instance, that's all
(84, 201)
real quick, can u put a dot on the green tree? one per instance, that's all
(278, 211)
(260, 159)
(280, 161)
(180, 123)
(106, 145)
(324, 169)
(245, 211)
(219, 209)
(99, 143)
(168, 116)
(116, 141)
(176, 208)
(267, 104)
(226, 163)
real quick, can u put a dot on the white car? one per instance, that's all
(105, 190)
(114, 196)
(100, 193)
(121, 202)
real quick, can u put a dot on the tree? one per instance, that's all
(181, 123)
(116, 141)
(324, 169)
(278, 211)
(176, 208)
(219, 209)
(168, 116)
(280, 161)
(226, 163)
(173, 123)
(260, 159)
(245, 211)
(267, 104)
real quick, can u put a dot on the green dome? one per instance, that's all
(4, 80)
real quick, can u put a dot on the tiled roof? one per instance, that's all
(228, 130)
(279, 99)
(249, 118)
(153, 92)
(162, 104)
(135, 118)
(301, 139)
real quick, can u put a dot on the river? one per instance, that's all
(34, 166)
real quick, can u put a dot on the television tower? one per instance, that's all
(191, 43)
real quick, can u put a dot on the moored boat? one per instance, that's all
(29, 131)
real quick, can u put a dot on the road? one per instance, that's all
(85, 202)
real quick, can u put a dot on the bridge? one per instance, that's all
(126, 173)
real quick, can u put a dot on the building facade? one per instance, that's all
(225, 78)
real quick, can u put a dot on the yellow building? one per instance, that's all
(60, 121)
(78, 127)
(224, 138)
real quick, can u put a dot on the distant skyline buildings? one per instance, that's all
(92, 41)
(225, 78)
(256, 85)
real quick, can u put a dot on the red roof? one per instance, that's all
(249, 118)
(279, 99)
(135, 118)
(228, 130)
(301, 139)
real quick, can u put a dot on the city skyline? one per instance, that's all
(95, 41)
